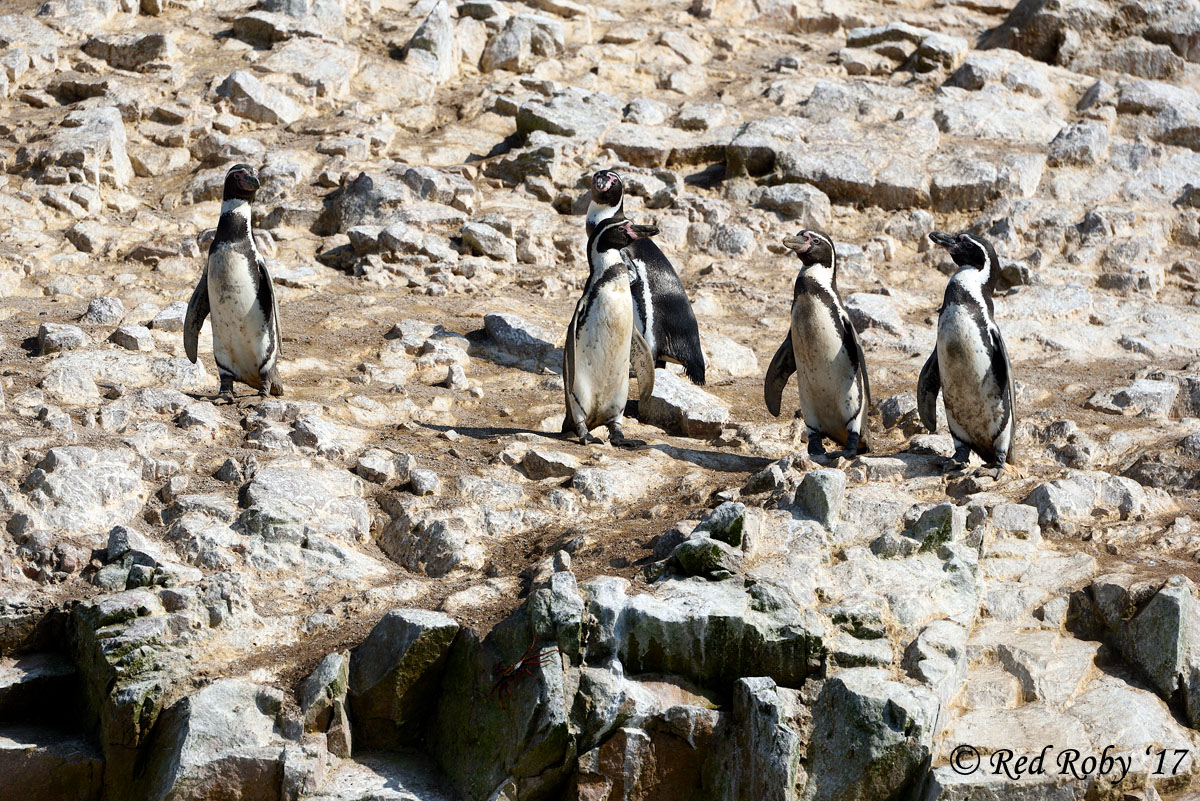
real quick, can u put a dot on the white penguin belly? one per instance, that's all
(241, 336)
(974, 410)
(828, 382)
(601, 381)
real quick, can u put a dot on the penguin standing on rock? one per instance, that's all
(662, 312)
(236, 289)
(602, 341)
(970, 364)
(823, 350)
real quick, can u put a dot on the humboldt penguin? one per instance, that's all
(662, 312)
(970, 364)
(823, 350)
(602, 340)
(236, 290)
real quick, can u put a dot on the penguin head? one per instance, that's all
(619, 234)
(607, 188)
(813, 247)
(241, 182)
(968, 250)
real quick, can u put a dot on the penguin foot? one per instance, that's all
(223, 399)
(953, 465)
(992, 471)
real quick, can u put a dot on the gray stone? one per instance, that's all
(132, 51)
(91, 141)
(700, 555)
(252, 99)
(539, 463)
(222, 739)
(1143, 398)
(56, 337)
(523, 36)
(871, 736)
(484, 240)
(132, 337)
(394, 676)
(805, 204)
(1079, 145)
(942, 524)
(82, 489)
(170, 318)
(297, 502)
(104, 311)
(682, 408)
(425, 482)
(820, 495)
(725, 523)
(325, 66)
(869, 310)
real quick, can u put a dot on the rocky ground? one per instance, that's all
(398, 582)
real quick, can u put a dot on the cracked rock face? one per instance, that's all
(398, 581)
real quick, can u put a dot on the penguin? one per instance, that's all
(823, 350)
(236, 289)
(662, 312)
(969, 365)
(602, 341)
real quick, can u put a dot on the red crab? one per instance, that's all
(522, 667)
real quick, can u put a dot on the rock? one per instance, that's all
(723, 354)
(1081, 495)
(104, 311)
(484, 240)
(539, 463)
(41, 764)
(523, 36)
(381, 466)
(425, 482)
(820, 495)
(868, 310)
(871, 736)
(703, 556)
(57, 337)
(252, 99)
(805, 204)
(434, 46)
(324, 66)
(224, 738)
(171, 318)
(91, 141)
(1080, 144)
(681, 408)
(1143, 398)
(132, 51)
(570, 112)
(323, 702)
(296, 502)
(394, 676)
(81, 489)
(725, 523)
(132, 337)
(939, 525)
(760, 748)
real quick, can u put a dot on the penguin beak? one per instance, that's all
(248, 181)
(800, 244)
(642, 231)
(945, 240)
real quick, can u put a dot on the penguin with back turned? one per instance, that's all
(235, 289)
(602, 340)
(662, 311)
(823, 350)
(969, 365)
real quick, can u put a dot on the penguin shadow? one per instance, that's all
(720, 461)
(488, 433)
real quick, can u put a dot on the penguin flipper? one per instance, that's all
(783, 365)
(568, 426)
(197, 311)
(929, 384)
(642, 362)
(1002, 370)
(858, 359)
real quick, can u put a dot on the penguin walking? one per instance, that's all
(662, 312)
(236, 289)
(602, 340)
(823, 350)
(970, 364)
